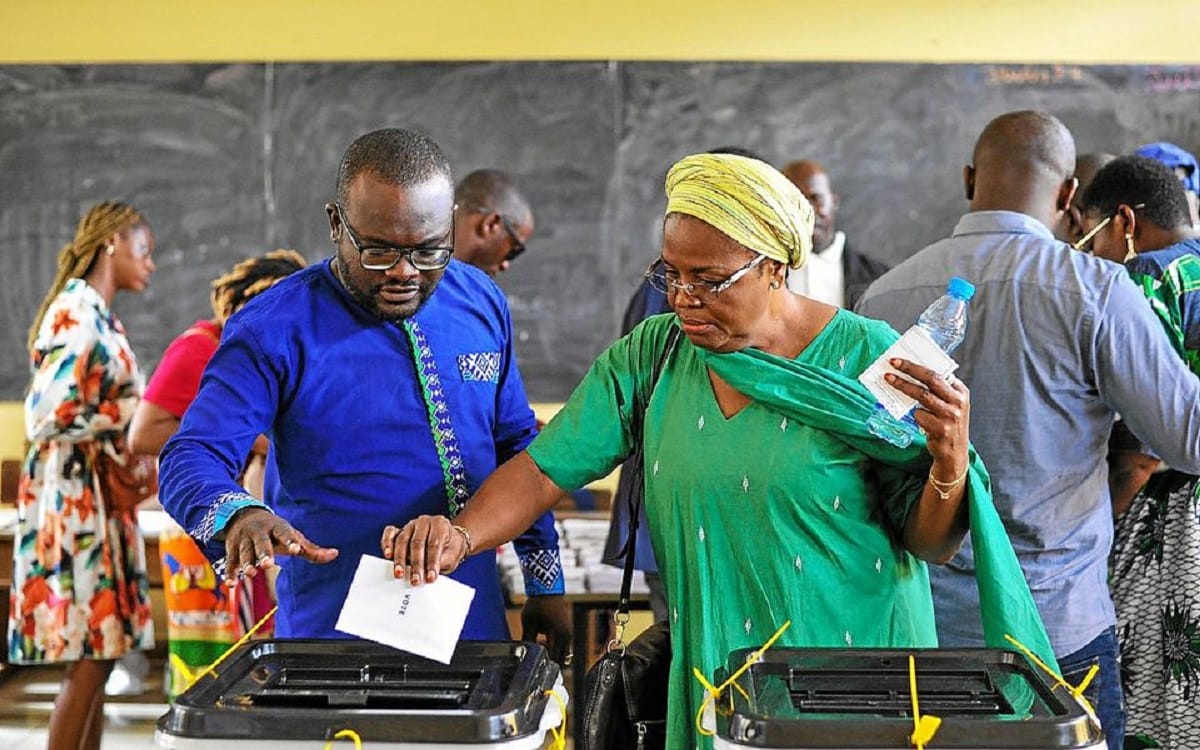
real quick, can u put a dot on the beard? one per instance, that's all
(374, 296)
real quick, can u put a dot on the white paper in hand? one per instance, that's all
(425, 620)
(916, 345)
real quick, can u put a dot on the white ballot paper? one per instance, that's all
(916, 345)
(425, 620)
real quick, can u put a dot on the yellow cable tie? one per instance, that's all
(211, 668)
(924, 731)
(559, 733)
(1087, 680)
(181, 667)
(345, 734)
(711, 694)
(924, 727)
(1075, 692)
(715, 693)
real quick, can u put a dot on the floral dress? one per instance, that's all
(80, 588)
(1156, 550)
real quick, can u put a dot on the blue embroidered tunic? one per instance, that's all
(347, 401)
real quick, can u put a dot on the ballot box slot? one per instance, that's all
(886, 692)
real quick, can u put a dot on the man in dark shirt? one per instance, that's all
(836, 273)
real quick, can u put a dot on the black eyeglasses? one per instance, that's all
(518, 247)
(667, 281)
(384, 257)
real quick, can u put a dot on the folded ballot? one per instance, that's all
(425, 620)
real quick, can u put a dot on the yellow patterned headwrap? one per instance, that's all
(747, 200)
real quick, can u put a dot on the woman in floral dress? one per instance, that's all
(80, 590)
(1139, 216)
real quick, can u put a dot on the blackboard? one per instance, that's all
(231, 160)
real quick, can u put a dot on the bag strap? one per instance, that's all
(638, 494)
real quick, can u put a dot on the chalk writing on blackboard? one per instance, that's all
(1004, 75)
(1161, 80)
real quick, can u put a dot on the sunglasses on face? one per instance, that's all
(517, 247)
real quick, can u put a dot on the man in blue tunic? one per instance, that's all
(382, 399)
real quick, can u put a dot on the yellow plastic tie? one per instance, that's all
(182, 672)
(1075, 691)
(211, 668)
(558, 733)
(345, 734)
(714, 694)
(924, 727)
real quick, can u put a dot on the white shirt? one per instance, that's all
(822, 277)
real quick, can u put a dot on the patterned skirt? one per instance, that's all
(204, 616)
(78, 594)
(1156, 589)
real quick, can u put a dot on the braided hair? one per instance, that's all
(78, 256)
(250, 278)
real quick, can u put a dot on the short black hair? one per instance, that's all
(401, 157)
(493, 190)
(1131, 180)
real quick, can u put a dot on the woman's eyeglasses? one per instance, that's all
(667, 281)
(1084, 243)
(384, 257)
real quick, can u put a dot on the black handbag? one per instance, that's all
(625, 691)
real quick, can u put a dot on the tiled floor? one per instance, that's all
(27, 698)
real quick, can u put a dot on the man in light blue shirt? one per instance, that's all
(1058, 343)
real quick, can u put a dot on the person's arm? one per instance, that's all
(584, 441)
(1130, 466)
(199, 465)
(150, 428)
(936, 524)
(1128, 473)
(507, 503)
(1140, 375)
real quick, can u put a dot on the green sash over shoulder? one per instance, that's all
(841, 406)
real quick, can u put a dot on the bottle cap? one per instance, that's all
(961, 288)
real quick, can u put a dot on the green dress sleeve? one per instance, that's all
(591, 435)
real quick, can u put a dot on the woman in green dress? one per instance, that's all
(768, 499)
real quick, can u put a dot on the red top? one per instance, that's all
(176, 380)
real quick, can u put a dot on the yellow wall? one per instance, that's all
(12, 429)
(1116, 31)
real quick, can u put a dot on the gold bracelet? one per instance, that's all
(945, 489)
(466, 535)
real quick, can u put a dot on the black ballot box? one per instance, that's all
(850, 699)
(275, 694)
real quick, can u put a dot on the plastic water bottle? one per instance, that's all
(946, 323)
(946, 319)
